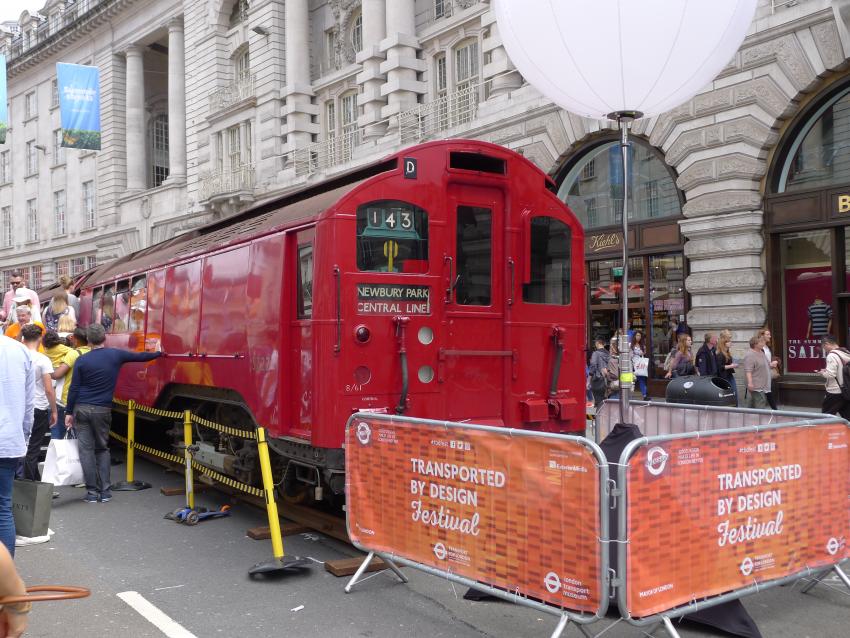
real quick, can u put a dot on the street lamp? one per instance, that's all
(622, 60)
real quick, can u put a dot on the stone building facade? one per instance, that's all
(211, 105)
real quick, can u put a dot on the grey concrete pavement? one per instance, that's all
(197, 576)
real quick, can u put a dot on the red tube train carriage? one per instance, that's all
(444, 282)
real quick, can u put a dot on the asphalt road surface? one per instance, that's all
(193, 581)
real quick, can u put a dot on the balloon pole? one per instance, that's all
(624, 121)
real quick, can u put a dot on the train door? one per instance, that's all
(473, 358)
(302, 335)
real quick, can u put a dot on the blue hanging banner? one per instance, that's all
(4, 110)
(79, 105)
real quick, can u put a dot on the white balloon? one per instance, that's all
(595, 57)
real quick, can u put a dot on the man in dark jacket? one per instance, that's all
(90, 408)
(707, 356)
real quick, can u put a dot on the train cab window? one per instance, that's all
(474, 255)
(392, 236)
(550, 262)
(138, 304)
(107, 308)
(97, 296)
(305, 281)
(122, 307)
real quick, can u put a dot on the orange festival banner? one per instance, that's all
(519, 512)
(721, 512)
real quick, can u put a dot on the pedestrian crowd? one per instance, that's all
(56, 378)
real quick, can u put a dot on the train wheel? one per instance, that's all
(295, 493)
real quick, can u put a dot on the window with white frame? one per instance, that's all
(36, 277)
(89, 212)
(467, 65)
(357, 33)
(234, 147)
(242, 66)
(30, 105)
(54, 93)
(589, 170)
(6, 215)
(441, 90)
(348, 120)
(59, 226)
(32, 158)
(32, 220)
(91, 261)
(330, 119)
(5, 167)
(58, 149)
(158, 140)
(78, 264)
(55, 22)
(61, 268)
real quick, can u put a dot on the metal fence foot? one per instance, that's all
(359, 572)
(562, 625)
(668, 625)
(393, 567)
(818, 577)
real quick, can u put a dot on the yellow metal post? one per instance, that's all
(268, 488)
(131, 439)
(187, 440)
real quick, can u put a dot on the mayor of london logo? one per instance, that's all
(364, 433)
(656, 460)
(552, 582)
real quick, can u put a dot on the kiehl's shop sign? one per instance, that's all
(603, 242)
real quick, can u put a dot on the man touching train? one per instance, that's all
(89, 407)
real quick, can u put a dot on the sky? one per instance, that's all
(12, 9)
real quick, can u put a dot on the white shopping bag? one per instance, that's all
(62, 463)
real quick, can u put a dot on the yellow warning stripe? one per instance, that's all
(168, 414)
(148, 450)
(226, 480)
(120, 401)
(245, 434)
(118, 437)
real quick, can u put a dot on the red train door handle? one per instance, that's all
(450, 280)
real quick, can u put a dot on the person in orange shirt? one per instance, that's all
(24, 317)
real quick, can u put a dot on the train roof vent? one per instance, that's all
(477, 162)
(222, 235)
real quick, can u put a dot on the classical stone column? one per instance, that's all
(298, 90)
(176, 102)
(499, 67)
(401, 66)
(370, 78)
(135, 135)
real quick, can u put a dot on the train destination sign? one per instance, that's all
(393, 299)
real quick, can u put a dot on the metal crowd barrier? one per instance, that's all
(780, 511)
(280, 561)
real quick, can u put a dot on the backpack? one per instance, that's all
(844, 373)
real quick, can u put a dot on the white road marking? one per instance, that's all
(153, 615)
(299, 608)
(170, 587)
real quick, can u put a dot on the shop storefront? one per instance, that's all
(807, 218)
(592, 185)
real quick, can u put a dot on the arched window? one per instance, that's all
(819, 154)
(158, 141)
(357, 33)
(593, 185)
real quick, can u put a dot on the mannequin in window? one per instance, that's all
(820, 318)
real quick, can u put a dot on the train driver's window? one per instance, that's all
(107, 305)
(474, 254)
(305, 281)
(122, 307)
(95, 305)
(392, 236)
(138, 304)
(549, 253)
